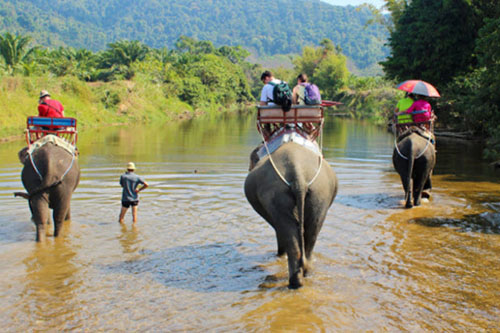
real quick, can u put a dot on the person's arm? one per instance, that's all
(263, 96)
(41, 110)
(143, 187)
(295, 95)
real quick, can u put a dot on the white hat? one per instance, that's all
(130, 166)
(44, 93)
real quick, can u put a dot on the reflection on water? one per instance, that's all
(200, 258)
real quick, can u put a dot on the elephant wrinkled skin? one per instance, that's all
(295, 211)
(53, 191)
(414, 162)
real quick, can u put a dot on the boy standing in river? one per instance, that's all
(130, 197)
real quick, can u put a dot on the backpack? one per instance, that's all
(311, 94)
(282, 95)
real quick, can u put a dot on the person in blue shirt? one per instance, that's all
(130, 197)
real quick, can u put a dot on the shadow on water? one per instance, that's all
(217, 267)
(370, 201)
(487, 222)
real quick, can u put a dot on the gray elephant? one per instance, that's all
(414, 158)
(294, 206)
(50, 177)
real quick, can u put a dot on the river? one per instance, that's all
(199, 257)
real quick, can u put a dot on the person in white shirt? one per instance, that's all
(266, 96)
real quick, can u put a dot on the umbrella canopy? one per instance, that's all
(418, 87)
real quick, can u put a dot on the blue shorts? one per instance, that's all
(127, 204)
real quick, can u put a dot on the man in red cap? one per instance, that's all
(48, 107)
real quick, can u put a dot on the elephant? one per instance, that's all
(414, 158)
(297, 208)
(50, 177)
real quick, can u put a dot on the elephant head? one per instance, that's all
(292, 190)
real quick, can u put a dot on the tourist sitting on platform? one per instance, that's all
(266, 95)
(299, 91)
(48, 107)
(405, 103)
(421, 110)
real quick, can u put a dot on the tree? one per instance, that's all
(325, 66)
(124, 53)
(433, 40)
(396, 9)
(14, 50)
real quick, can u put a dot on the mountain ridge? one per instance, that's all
(262, 27)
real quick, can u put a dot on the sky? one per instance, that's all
(377, 3)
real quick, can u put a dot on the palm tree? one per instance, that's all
(13, 50)
(124, 53)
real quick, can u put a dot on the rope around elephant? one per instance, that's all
(279, 173)
(419, 155)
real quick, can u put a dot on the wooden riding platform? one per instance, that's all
(306, 118)
(37, 127)
(405, 121)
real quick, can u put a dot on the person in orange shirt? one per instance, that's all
(48, 107)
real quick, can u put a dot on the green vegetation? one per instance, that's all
(452, 44)
(263, 27)
(127, 82)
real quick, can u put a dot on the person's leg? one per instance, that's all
(134, 213)
(122, 214)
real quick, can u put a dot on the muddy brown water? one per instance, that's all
(199, 258)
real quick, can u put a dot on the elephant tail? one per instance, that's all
(411, 162)
(299, 190)
(22, 195)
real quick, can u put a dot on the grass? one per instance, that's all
(93, 104)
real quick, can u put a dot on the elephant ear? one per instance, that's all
(23, 155)
(254, 158)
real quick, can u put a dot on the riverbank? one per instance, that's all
(94, 104)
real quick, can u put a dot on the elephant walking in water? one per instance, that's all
(414, 157)
(294, 206)
(50, 177)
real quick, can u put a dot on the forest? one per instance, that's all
(262, 27)
(453, 44)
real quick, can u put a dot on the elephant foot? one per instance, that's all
(409, 205)
(41, 235)
(296, 280)
(426, 194)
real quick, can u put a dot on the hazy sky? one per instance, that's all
(377, 3)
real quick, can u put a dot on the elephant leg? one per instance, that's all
(408, 190)
(263, 212)
(40, 210)
(281, 245)
(420, 182)
(289, 233)
(68, 215)
(428, 183)
(59, 215)
(311, 230)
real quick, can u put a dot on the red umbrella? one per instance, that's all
(418, 87)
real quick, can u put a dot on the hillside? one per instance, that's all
(263, 27)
